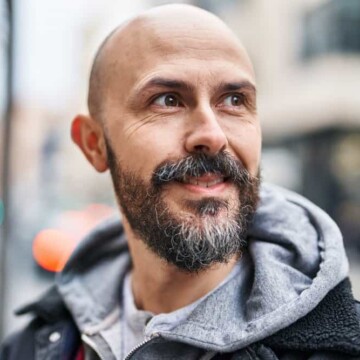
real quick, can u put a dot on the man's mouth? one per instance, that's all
(204, 181)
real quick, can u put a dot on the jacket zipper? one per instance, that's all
(136, 348)
(92, 346)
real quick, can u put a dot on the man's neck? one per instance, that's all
(160, 287)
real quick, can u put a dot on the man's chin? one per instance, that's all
(196, 240)
(200, 209)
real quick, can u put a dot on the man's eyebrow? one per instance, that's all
(237, 86)
(166, 83)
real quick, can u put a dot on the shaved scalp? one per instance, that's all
(97, 74)
(145, 32)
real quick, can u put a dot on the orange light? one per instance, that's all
(52, 248)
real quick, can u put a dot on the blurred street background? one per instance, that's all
(307, 60)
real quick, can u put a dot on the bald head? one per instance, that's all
(155, 35)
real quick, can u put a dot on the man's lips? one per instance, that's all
(205, 183)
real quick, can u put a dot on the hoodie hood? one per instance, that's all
(295, 256)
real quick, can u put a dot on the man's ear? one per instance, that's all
(88, 135)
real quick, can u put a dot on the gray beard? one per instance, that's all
(195, 244)
(191, 243)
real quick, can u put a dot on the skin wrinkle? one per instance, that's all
(136, 126)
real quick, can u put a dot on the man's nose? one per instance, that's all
(205, 133)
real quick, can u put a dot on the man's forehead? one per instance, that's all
(188, 38)
(183, 31)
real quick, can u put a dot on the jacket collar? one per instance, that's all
(334, 325)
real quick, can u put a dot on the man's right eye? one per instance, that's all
(167, 100)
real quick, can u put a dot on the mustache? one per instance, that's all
(195, 165)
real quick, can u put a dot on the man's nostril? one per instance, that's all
(200, 147)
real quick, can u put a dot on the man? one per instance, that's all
(206, 263)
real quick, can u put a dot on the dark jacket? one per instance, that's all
(330, 331)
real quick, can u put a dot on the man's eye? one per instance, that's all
(167, 100)
(234, 100)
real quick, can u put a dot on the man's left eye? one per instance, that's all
(234, 100)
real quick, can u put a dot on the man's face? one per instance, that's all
(177, 106)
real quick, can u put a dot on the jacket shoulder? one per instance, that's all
(50, 334)
(334, 325)
(20, 345)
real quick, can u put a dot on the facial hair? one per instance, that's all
(195, 242)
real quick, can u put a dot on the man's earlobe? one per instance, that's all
(88, 135)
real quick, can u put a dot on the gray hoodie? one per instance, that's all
(295, 256)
